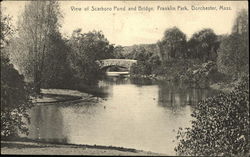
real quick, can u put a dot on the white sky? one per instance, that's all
(137, 27)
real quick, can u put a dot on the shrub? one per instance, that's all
(14, 100)
(147, 64)
(141, 68)
(221, 125)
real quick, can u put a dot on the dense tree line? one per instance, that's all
(229, 52)
(175, 52)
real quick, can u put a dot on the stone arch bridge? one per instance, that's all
(122, 63)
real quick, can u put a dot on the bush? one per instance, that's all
(176, 68)
(14, 100)
(147, 64)
(221, 125)
(141, 68)
(203, 74)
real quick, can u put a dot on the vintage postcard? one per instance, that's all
(116, 78)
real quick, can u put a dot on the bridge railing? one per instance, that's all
(117, 62)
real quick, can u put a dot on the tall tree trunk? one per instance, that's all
(37, 86)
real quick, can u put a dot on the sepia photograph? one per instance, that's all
(124, 78)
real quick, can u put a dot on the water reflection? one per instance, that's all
(107, 81)
(47, 124)
(135, 114)
(142, 81)
(173, 94)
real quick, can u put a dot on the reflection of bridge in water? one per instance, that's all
(116, 67)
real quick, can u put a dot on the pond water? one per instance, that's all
(138, 114)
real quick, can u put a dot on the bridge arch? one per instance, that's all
(107, 68)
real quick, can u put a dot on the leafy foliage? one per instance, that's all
(6, 30)
(221, 125)
(202, 75)
(147, 62)
(14, 94)
(173, 44)
(56, 74)
(128, 51)
(241, 22)
(86, 49)
(203, 45)
(178, 58)
(14, 100)
(233, 55)
(118, 52)
(36, 27)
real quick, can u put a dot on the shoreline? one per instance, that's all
(220, 86)
(224, 87)
(30, 147)
(62, 95)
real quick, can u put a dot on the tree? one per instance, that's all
(14, 94)
(173, 44)
(57, 72)
(155, 61)
(86, 49)
(203, 45)
(141, 54)
(93, 45)
(38, 22)
(147, 62)
(241, 22)
(6, 31)
(118, 52)
(233, 54)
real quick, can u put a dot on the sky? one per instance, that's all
(141, 26)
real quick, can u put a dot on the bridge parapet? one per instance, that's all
(126, 63)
